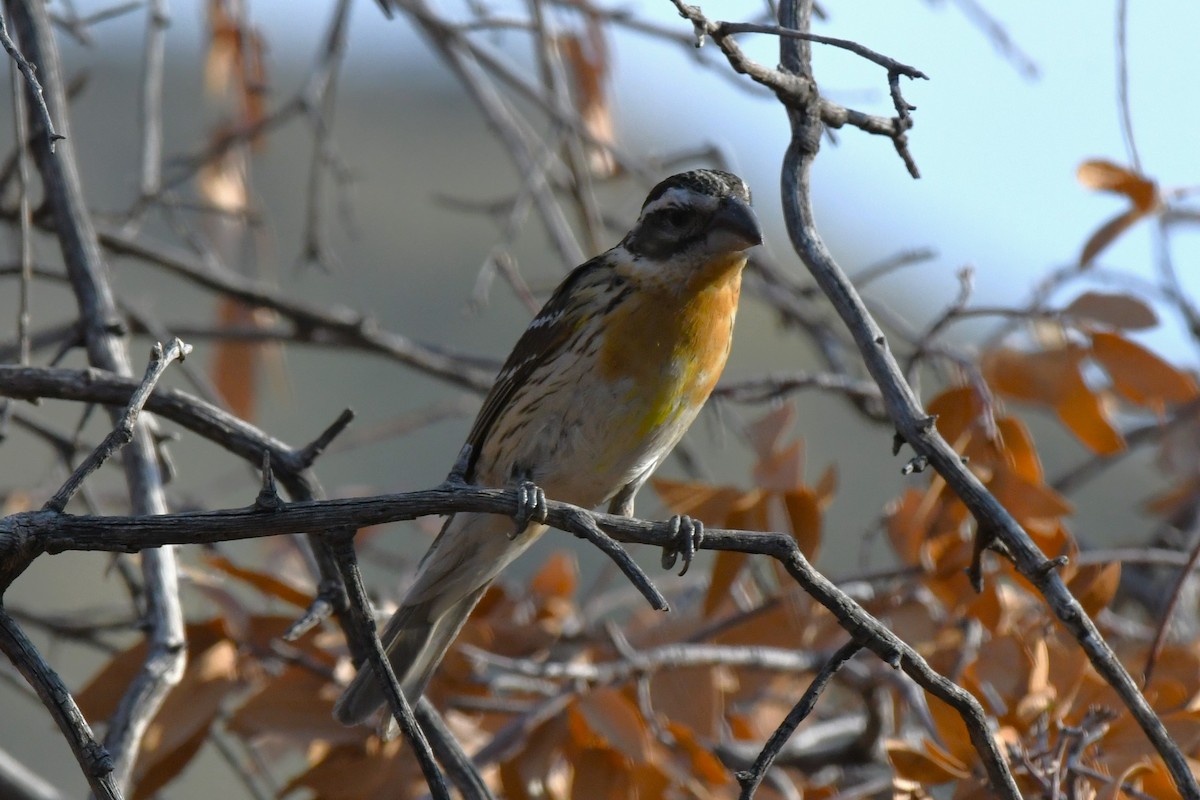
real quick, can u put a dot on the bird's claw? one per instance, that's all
(531, 506)
(686, 534)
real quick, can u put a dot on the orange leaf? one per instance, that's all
(1043, 376)
(602, 774)
(827, 486)
(235, 365)
(1105, 176)
(1081, 412)
(1027, 500)
(923, 766)
(1116, 310)
(726, 567)
(296, 707)
(615, 719)
(705, 766)
(957, 410)
(952, 732)
(99, 699)
(1139, 375)
(804, 515)
(368, 770)
(557, 577)
(267, 584)
(588, 63)
(1108, 233)
(1095, 585)
(766, 432)
(690, 697)
(1019, 450)
(711, 504)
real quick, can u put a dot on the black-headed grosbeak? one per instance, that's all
(596, 393)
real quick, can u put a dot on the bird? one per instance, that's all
(597, 391)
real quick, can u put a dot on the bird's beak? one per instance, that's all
(736, 217)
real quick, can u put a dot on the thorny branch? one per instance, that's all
(917, 429)
(106, 349)
(31, 533)
(122, 433)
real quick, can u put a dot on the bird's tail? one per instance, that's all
(415, 641)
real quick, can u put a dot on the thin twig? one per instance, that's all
(150, 110)
(122, 433)
(362, 628)
(1164, 622)
(458, 765)
(753, 777)
(35, 86)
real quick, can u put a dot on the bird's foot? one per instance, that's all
(687, 534)
(531, 506)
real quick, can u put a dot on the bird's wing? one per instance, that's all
(546, 335)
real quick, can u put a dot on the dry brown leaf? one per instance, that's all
(99, 699)
(267, 584)
(1095, 585)
(711, 504)
(703, 764)
(957, 410)
(370, 770)
(1105, 176)
(557, 577)
(908, 524)
(1027, 500)
(1041, 376)
(690, 697)
(588, 63)
(952, 733)
(1083, 414)
(615, 719)
(765, 433)
(179, 729)
(726, 566)
(525, 775)
(827, 486)
(235, 365)
(1019, 451)
(1122, 311)
(780, 469)
(296, 706)
(1106, 234)
(804, 518)
(602, 774)
(925, 765)
(1139, 375)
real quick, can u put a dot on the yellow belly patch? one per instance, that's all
(669, 344)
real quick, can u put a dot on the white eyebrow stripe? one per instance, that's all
(671, 198)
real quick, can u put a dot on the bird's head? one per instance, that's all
(693, 222)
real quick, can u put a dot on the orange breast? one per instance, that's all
(671, 343)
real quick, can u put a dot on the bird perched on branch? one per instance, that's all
(596, 393)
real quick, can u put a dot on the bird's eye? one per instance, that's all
(677, 218)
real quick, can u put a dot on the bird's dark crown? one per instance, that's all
(713, 182)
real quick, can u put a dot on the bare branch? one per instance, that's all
(122, 434)
(915, 428)
(95, 761)
(81, 252)
(752, 778)
(35, 87)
